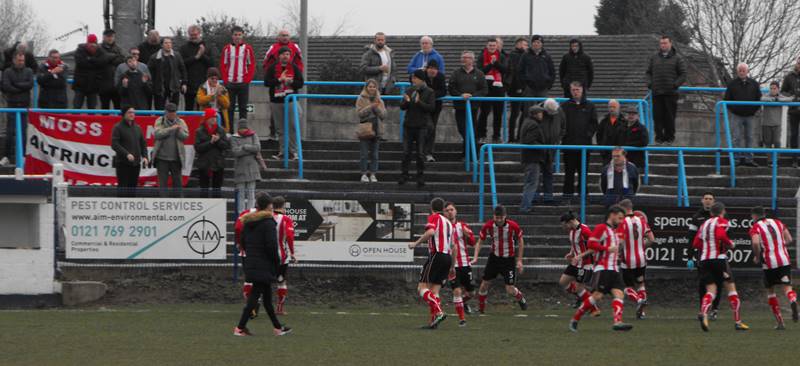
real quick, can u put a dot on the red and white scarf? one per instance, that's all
(494, 74)
(285, 87)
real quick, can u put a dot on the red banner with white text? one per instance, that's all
(82, 143)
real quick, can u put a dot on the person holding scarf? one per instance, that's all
(210, 144)
(212, 94)
(246, 149)
(52, 79)
(619, 179)
(283, 78)
(493, 64)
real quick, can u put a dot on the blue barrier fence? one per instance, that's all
(682, 194)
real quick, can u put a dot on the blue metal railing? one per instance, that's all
(18, 112)
(682, 187)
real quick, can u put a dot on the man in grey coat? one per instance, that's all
(246, 149)
(169, 154)
(665, 74)
(377, 63)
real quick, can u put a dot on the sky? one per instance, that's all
(406, 17)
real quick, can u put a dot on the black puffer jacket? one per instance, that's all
(259, 240)
(210, 155)
(531, 134)
(791, 87)
(576, 66)
(743, 91)
(196, 68)
(89, 69)
(463, 82)
(115, 57)
(537, 70)
(419, 114)
(512, 81)
(581, 122)
(608, 134)
(666, 73)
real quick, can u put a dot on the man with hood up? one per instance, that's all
(576, 65)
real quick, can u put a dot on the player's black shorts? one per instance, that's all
(463, 279)
(504, 266)
(715, 271)
(633, 276)
(281, 275)
(605, 281)
(582, 275)
(778, 276)
(436, 269)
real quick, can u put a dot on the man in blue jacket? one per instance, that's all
(425, 54)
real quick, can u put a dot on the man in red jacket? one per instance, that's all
(237, 66)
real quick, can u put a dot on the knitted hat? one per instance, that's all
(92, 38)
(433, 64)
(171, 107)
(209, 113)
(420, 74)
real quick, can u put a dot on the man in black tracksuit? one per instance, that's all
(581, 119)
(419, 102)
(703, 214)
(514, 85)
(575, 66)
(665, 73)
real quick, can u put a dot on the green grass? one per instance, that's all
(201, 335)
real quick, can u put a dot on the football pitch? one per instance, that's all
(199, 334)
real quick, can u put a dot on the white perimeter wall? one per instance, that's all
(30, 271)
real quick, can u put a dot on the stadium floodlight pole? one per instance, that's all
(530, 22)
(304, 51)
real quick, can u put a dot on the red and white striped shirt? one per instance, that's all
(604, 237)
(285, 229)
(634, 230)
(442, 238)
(503, 237)
(237, 63)
(577, 243)
(712, 239)
(462, 238)
(773, 247)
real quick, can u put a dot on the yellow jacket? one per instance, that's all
(221, 102)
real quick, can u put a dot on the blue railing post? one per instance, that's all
(285, 136)
(729, 139)
(583, 184)
(298, 138)
(35, 91)
(505, 122)
(681, 176)
(402, 112)
(492, 177)
(482, 186)
(557, 162)
(774, 180)
(719, 140)
(20, 141)
(468, 135)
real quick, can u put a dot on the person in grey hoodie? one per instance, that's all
(771, 117)
(169, 154)
(246, 149)
(378, 63)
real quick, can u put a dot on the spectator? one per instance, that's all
(283, 79)
(466, 82)
(17, 82)
(169, 75)
(791, 88)
(493, 64)
(532, 160)
(772, 118)
(742, 117)
(169, 154)
(666, 73)
(370, 109)
(108, 91)
(436, 81)
(619, 179)
(581, 125)
(238, 65)
(198, 58)
(212, 94)
(210, 144)
(284, 39)
(52, 79)
(150, 46)
(608, 131)
(90, 63)
(377, 63)
(633, 133)
(514, 85)
(17, 47)
(130, 152)
(141, 66)
(246, 149)
(536, 69)
(424, 55)
(134, 85)
(575, 66)
(419, 103)
(553, 129)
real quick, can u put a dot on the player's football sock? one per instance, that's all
(791, 295)
(571, 288)
(632, 294)
(459, 303)
(247, 288)
(642, 294)
(482, 302)
(583, 295)
(282, 293)
(429, 298)
(733, 298)
(776, 308)
(586, 307)
(617, 305)
(708, 298)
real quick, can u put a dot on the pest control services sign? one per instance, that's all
(145, 228)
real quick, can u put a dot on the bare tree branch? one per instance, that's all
(19, 23)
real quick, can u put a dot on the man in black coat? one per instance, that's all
(169, 75)
(536, 69)
(532, 160)
(436, 81)
(108, 91)
(742, 117)
(576, 65)
(666, 73)
(210, 144)
(466, 82)
(134, 86)
(197, 58)
(16, 85)
(419, 102)
(609, 129)
(52, 79)
(634, 134)
(90, 64)
(150, 46)
(130, 149)
(259, 245)
(514, 86)
(581, 120)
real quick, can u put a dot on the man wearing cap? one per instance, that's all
(532, 160)
(169, 153)
(419, 102)
(90, 64)
(210, 144)
(169, 75)
(634, 134)
(536, 69)
(108, 92)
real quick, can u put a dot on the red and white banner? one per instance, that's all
(82, 143)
